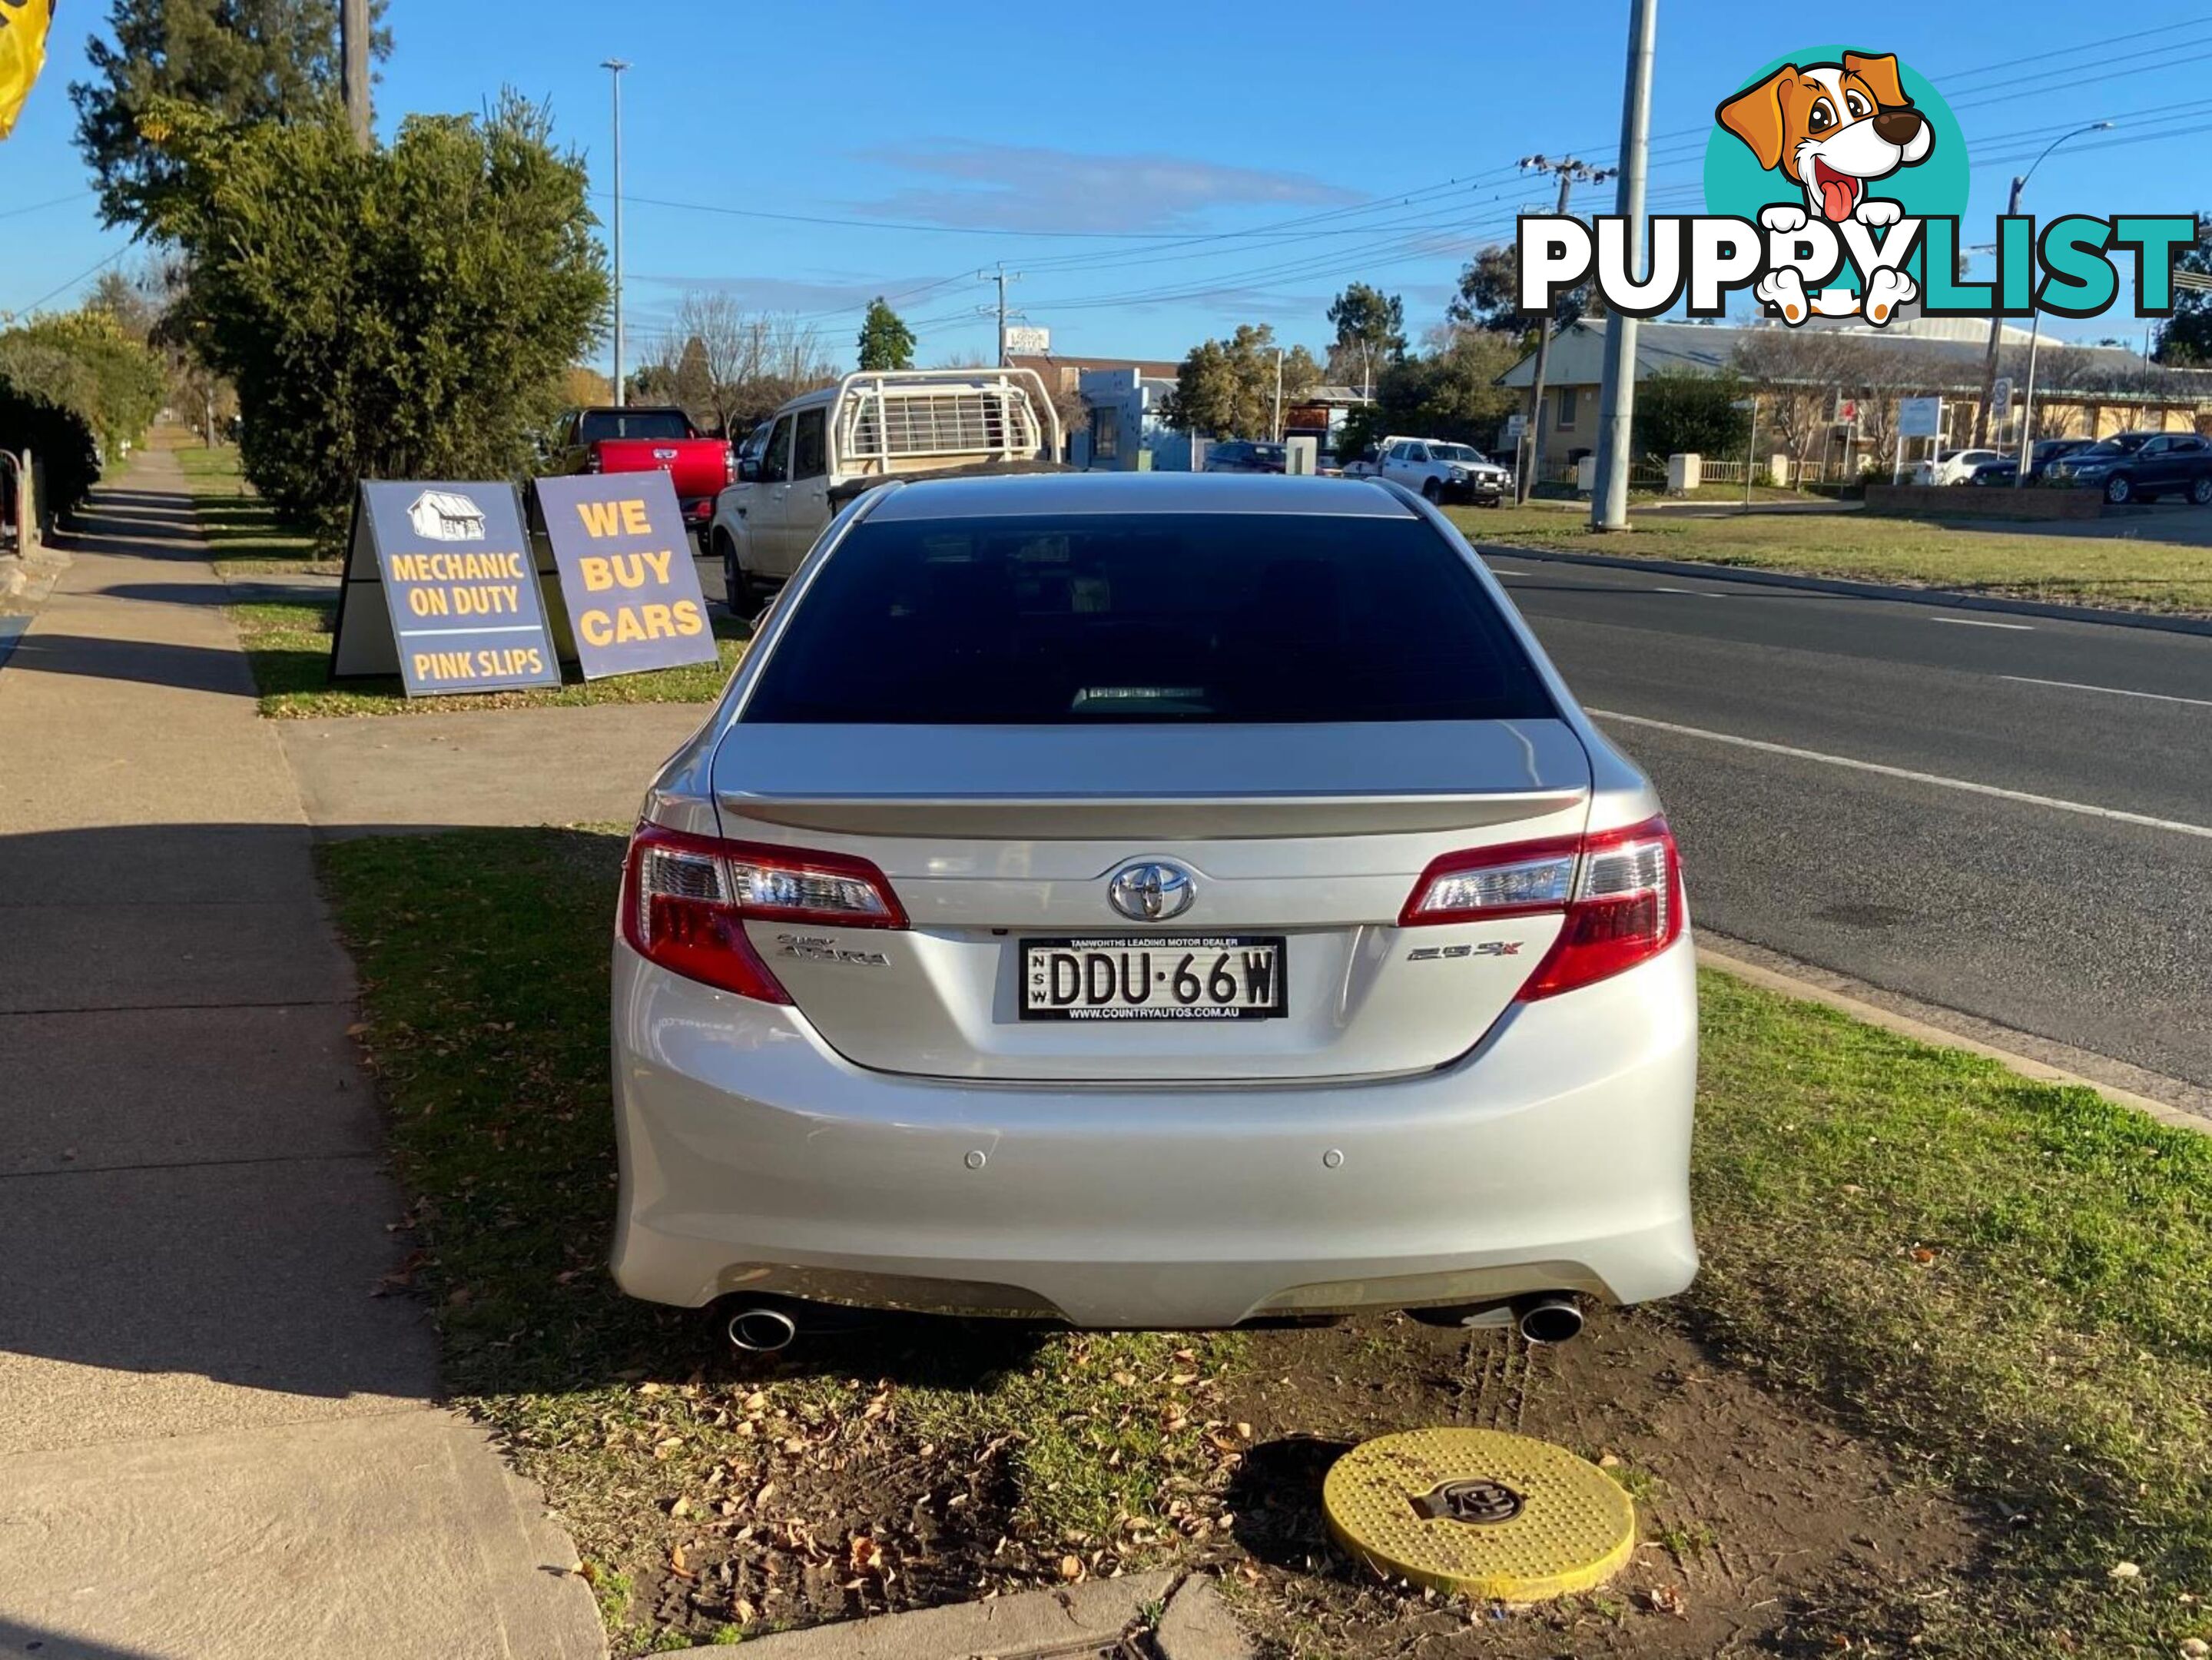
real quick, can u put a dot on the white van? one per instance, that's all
(823, 448)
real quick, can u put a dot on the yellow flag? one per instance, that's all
(23, 26)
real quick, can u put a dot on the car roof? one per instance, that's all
(1045, 494)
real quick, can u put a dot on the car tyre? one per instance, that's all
(2118, 491)
(2200, 491)
(743, 595)
(1432, 491)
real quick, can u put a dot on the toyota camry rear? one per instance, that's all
(1138, 899)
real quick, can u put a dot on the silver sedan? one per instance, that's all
(1151, 900)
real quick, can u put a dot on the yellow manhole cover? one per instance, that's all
(1479, 1511)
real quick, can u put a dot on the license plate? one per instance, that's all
(1214, 976)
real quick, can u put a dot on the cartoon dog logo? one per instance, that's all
(1832, 130)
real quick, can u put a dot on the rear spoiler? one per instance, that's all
(853, 489)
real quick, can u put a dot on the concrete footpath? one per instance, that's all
(215, 1441)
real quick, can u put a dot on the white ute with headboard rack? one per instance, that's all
(818, 451)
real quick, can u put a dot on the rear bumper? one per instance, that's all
(1555, 1158)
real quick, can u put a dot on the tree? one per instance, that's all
(732, 367)
(2185, 339)
(1798, 374)
(886, 343)
(584, 388)
(116, 297)
(678, 373)
(75, 388)
(402, 312)
(240, 61)
(1451, 392)
(1227, 387)
(1681, 411)
(1490, 295)
(1371, 333)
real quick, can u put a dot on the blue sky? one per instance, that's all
(1160, 146)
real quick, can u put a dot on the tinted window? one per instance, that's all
(810, 450)
(599, 425)
(1187, 618)
(775, 460)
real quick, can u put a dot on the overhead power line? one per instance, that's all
(40, 207)
(83, 275)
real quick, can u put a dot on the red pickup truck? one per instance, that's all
(636, 440)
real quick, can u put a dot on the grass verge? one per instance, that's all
(288, 645)
(699, 1487)
(2130, 569)
(2006, 1283)
(248, 538)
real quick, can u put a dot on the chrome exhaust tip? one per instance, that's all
(1549, 1319)
(762, 1330)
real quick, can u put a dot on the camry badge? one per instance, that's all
(1151, 892)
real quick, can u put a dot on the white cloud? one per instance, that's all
(1025, 187)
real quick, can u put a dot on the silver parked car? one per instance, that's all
(1151, 900)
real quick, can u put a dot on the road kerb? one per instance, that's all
(1926, 1032)
(1853, 588)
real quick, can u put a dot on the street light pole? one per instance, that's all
(2027, 404)
(1617, 395)
(615, 66)
(1996, 322)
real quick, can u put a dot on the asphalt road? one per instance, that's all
(2047, 865)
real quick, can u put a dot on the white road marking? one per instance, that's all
(1500, 570)
(1702, 593)
(2087, 808)
(1970, 622)
(2117, 691)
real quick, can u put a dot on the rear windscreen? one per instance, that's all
(603, 424)
(1185, 618)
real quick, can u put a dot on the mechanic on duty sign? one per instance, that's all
(624, 557)
(461, 609)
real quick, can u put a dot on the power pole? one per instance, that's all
(1532, 454)
(1617, 396)
(353, 50)
(615, 66)
(1279, 394)
(1001, 276)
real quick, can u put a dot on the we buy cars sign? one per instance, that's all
(624, 559)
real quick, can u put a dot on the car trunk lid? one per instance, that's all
(1301, 845)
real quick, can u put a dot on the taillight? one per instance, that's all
(687, 898)
(1620, 891)
(591, 461)
(729, 463)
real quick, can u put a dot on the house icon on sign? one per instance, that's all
(447, 516)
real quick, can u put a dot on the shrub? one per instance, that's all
(1679, 412)
(48, 403)
(402, 312)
